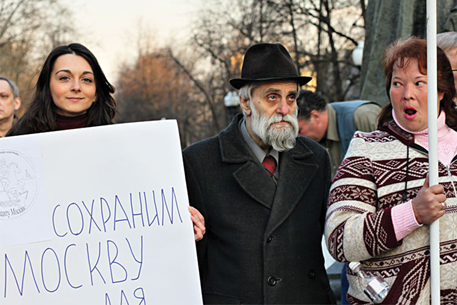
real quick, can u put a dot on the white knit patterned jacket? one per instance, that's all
(375, 176)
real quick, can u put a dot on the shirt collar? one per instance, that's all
(258, 152)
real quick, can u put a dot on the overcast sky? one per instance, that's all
(109, 27)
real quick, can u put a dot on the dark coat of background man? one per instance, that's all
(334, 124)
(9, 103)
(264, 231)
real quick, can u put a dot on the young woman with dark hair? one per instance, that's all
(71, 92)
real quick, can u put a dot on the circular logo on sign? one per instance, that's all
(18, 184)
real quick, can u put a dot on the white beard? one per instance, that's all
(282, 137)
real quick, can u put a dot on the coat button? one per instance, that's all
(269, 239)
(311, 274)
(272, 281)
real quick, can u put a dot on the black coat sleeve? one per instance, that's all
(196, 200)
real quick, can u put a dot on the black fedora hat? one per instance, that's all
(267, 62)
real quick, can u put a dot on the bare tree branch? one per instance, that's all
(200, 87)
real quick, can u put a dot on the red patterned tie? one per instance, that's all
(270, 164)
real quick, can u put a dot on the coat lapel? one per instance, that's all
(250, 175)
(255, 181)
(294, 178)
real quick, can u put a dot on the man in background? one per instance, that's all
(9, 103)
(448, 43)
(333, 125)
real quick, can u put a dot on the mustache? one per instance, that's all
(277, 118)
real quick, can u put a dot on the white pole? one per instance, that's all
(433, 146)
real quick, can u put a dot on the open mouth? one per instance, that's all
(410, 113)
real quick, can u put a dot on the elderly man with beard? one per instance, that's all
(263, 192)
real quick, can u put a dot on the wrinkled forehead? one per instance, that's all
(452, 53)
(5, 86)
(277, 86)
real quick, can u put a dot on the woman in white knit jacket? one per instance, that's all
(380, 205)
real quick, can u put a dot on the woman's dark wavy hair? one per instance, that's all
(40, 116)
(398, 54)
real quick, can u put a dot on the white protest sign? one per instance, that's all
(96, 216)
